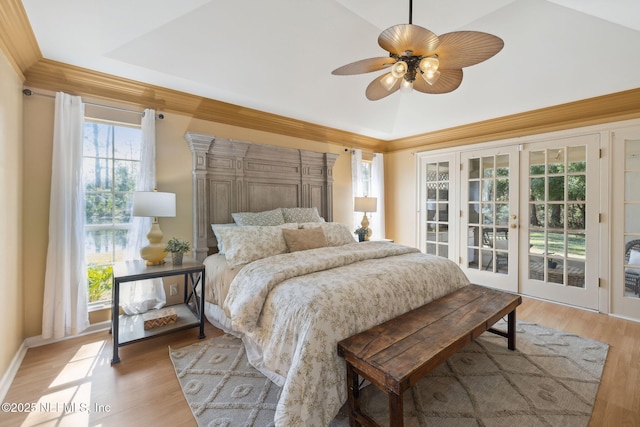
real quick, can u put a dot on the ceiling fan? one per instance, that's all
(421, 60)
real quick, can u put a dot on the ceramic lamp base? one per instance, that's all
(154, 253)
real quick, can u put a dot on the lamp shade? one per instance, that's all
(154, 204)
(365, 204)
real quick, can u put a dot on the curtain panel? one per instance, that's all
(376, 219)
(141, 296)
(65, 311)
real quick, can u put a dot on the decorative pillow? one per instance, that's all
(634, 259)
(215, 228)
(303, 239)
(301, 215)
(273, 217)
(337, 234)
(249, 243)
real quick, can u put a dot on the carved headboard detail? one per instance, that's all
(236, 176)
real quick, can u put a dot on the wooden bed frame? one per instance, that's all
(236, 176)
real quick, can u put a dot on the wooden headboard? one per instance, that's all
(236, 176)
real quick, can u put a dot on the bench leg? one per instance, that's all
(396, 411)
(353, 395)
(511, 330)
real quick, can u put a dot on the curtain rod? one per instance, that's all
(29, 92)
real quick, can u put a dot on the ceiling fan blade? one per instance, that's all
(400, 38)
(448, 81)
(376, 90)
(465, 48)
(364, 66)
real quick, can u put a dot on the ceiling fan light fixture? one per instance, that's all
(431, 76)
(388, 82)
(406, 86)
(399, 69)
(429, 63)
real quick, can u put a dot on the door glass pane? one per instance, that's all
(488, 167)
(537, 215)
(576, 216)
(474, 191)
(487, 213)
(536, 268)
(502, 214)
(502, 190)
(576, 245)
(536, 242)
(556, 188)
(555, 243)
(555, 214)
(474, 213)
(632, 218)
(556, 161)
(577, 159)
(487, 190)
(632, 186)
(537, 164)
(437, 191)
(632, 154)
(631, 215)
(557, 236)
(502, 165)
(575, 274)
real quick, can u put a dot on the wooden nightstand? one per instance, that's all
(128, 329)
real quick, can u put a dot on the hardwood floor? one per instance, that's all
(143, 390)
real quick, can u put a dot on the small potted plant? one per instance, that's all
(178, 249)
(362, 234)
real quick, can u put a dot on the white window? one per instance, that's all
(110, 171)
(366, 176)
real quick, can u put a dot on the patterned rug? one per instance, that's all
(550, 380)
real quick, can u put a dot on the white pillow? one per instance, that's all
(250, 243)
(301, 215)
(337, 234)
(634, 259)
(272, 217)
(215, 228)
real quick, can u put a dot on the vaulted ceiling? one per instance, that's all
(276, 56)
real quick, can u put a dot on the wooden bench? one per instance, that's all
(394, 355)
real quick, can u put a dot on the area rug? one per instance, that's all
(550, 380)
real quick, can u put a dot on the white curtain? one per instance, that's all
(377, 190)
(65, 311)
(376, 220)
(139, 297)
(357, 183)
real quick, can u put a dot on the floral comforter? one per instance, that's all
(295, 307)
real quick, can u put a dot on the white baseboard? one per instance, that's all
(38, 341)
(11, 372)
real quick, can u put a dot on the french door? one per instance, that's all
(522, 218)
(625, 218)
(559, 230)
(489, 217)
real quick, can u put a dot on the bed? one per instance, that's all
(286, 279)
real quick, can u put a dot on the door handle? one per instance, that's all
(513, 226)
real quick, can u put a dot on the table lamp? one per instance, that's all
(365, 204)
(154, 204)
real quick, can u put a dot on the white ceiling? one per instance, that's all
(277, 55)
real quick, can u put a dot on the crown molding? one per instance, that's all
(592, 111)
(58, 76)
(17, 40)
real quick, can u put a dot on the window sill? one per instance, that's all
(99, 305)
